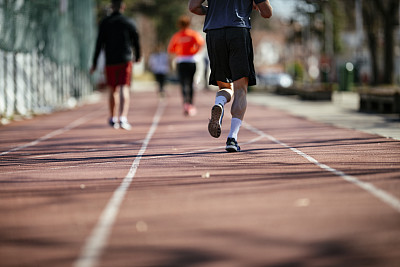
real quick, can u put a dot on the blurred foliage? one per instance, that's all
(164, 14)
(296, 70)
(381, 17)
(316, 17)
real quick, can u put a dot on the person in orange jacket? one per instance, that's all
(185, 44)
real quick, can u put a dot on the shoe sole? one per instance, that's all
(214, 126)
(127, 128)
(232, 149)
(115, 126)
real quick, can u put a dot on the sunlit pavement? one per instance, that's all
(75, 191)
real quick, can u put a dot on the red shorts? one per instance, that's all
(120, 74)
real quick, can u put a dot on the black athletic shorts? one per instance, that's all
(231, 55)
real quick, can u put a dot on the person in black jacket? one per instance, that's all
(119, 39)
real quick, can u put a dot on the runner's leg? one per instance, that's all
(125, 101)
(114, 102)
(225, 90)
(239, 104)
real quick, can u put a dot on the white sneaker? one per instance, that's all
(113, 124)
(125, 125)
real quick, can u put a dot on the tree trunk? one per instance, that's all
(389, 13)
(372, 43)
(370, 25)
(388, 76)
(391, 20)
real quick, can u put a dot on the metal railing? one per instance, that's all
(45, 51)
(32, 84)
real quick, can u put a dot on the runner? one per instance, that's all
(118, 36)
(230, 50)
(185, 44)
(159, 66)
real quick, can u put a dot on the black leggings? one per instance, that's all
(186, 71)
(160, 78)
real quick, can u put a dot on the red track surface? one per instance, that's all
(305, 198)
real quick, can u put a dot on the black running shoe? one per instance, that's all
(214, 125)
(232, 145)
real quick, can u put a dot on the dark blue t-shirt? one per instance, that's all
(229, 13)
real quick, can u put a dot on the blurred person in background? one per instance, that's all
(230, 49)
(185, 44)
(119, 38)
(159, 66)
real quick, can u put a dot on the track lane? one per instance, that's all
(265, 199)
(97, 241)
(266, 206)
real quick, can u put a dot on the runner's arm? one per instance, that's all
(196, 7)
(264, 8)
(98, 48)
(136, 44)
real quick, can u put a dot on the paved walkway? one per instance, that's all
(342, 111)
(75, 192)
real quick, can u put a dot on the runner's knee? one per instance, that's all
(227, 93)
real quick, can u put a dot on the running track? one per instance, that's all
(75, 192)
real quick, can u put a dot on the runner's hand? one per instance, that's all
(255, 7)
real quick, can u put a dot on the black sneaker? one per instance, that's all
(232, 145)
(214, 125)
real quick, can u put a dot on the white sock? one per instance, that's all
(114, 119)
(123, 119)
(235, 126)
(220, 100)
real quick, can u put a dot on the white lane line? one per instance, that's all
(370, 188)
(96, 242)
(70, 126)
